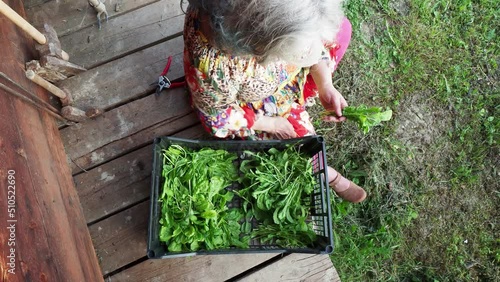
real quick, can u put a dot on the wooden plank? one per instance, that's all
(297, 267)
(89, 47)
(121, 238)
(136, 140)
(68, 16)
(125, 79)
(120, 183)
(125, 121)
(49, 240)
(115, 185)
(197, 268)
(31, 3)
(11, 148)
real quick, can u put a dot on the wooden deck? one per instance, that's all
(111, 156)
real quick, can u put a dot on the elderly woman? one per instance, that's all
(252, 67)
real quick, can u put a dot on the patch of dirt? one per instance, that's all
(421, 123)
(423, 128)
(401, 7)
(367, 30)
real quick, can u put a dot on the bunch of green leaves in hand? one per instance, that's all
(278, 187)
(365, 117)
(194, 211)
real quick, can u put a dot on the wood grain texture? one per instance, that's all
(297, 267)
(121, 238)
(55, 64)
(89, 47)
(67, 16)
(197, 268)
(122, 182)
(125, 79)
(33, 3)
(115, 185)
(123, 123)
(52, 240)
(136, 140)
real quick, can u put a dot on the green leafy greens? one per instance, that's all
(194, 200)
(278, 187)
(365, 117)
(275, 203)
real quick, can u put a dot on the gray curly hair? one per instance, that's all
(293, 31)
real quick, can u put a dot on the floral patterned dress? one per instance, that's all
(229, 93)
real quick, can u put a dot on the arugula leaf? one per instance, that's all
(279, 187)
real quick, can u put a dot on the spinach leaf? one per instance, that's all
(194, 200)
(365, 117)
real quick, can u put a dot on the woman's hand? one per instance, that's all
(332, 100)
(280, 127)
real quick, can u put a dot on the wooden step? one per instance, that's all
(127, 127)
(90, 46)
(68, 16)
(198, 268)
(115, 185)
(121, 239)
(122, 182)
(297, 267)
(121, 146)
(125, 79)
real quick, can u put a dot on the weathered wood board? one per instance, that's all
(121, 146)
(31, 3)
(125, 79)
(127, 127)
(295, 268)
(121, 238)
(115, 185)
(67, 16)
(89, 47)
(44, 236)
(121, 182)
(198, 268)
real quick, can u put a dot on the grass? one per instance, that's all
(432, 172)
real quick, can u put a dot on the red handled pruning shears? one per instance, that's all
(164, 82)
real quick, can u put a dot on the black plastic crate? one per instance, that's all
(320, 212)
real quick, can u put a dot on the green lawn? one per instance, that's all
(432, 171)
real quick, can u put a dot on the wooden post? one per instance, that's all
(48, 234)
(22, 23)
